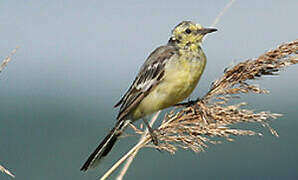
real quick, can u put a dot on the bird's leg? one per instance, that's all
(151, 131)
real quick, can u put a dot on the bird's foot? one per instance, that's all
(154, 138)
(152, 132)
(189, 103)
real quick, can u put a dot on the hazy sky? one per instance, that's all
(76, 59)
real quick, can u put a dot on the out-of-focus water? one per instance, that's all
(77, 58)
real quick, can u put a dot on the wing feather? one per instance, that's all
(150, 75)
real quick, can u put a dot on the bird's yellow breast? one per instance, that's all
(180, 79)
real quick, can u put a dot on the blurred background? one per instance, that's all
(76, 59)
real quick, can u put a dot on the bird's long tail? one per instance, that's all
(106, 145)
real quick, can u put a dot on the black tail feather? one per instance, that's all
(105, 146)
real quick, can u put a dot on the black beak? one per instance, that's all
(206, 30)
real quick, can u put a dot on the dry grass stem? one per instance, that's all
(2, 66)
(2, 169)
(209, 120)
(139, 145)
(222, 12)
(131, 158)
(7, 59)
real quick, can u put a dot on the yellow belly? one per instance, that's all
(181, 78)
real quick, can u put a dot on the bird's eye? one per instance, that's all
(188, 31)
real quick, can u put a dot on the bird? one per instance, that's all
(168, 76)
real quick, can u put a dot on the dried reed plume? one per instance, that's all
(2, 66)
(211, 116)
(195, 126)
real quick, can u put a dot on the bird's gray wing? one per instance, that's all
(150, 74)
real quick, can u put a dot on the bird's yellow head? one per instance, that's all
(187, 34)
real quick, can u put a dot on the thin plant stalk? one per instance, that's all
(131, 158)
(145, 140)
(2, 169)
(2, 66)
